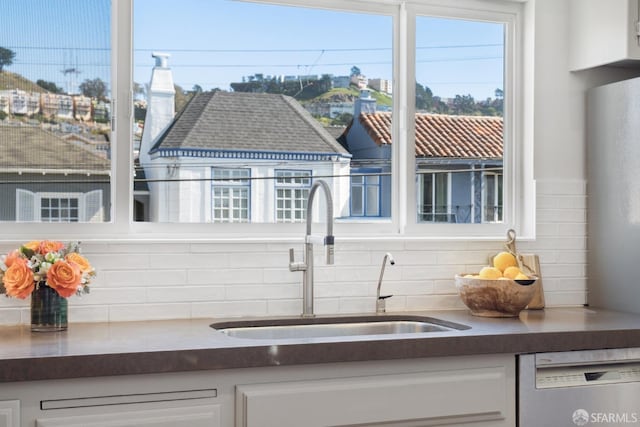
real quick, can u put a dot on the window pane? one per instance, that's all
(55, 109)
(459, 118)
(268, 89)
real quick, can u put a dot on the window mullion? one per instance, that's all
(122, 151)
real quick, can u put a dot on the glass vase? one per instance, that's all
(48, 310)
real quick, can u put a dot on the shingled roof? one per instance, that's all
(439, 135)
(239, 121)
(23, 147)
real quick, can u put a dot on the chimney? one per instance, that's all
(160, 105)
(364, 104)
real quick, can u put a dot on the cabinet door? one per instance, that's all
(603, 32)
(10, 413)
(190, 416)
(456, 397)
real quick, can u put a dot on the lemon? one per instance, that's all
(504, 260)
(490, 273)
(511, 272)
(521, 276)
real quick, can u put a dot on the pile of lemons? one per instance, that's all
(505, 266)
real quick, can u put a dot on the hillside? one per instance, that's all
(10, 81)
(350, 94)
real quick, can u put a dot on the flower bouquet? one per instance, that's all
(49, 272)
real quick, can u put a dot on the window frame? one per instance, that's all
(365, 174)
(292, 186)
(519, 184)
(231, 183)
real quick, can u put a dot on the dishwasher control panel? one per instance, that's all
(574, 376)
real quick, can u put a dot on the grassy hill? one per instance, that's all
(350, 94)
(10, 81)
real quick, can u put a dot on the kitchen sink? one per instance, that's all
(339, 326)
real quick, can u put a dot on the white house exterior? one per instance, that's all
(235, 157)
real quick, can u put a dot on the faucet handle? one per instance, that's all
(293, 265)
(381, 304)
(329, 241)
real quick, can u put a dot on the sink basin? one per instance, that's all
(316, 327)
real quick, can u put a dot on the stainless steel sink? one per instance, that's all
(316, 327)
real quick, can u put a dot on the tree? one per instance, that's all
(95, 88)
(355, 71)
(342, 119)
(424, 98)
(6, 57)
(49, 86)
(464, 104)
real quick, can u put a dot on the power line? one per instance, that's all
(351, 49)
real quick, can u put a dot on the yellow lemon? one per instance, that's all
(521, 276)
(490, 273)
(504, 260)
(511, 272)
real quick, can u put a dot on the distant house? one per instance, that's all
(458, 165)
(44, 178)
(234, 157)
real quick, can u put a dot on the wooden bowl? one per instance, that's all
(495, 297)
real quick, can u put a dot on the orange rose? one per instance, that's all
(32, 245)
(12, 257)
(47, 246)
(18, 279)
(64, 277)
(80, 261)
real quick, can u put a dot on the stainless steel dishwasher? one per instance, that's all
(577, 388)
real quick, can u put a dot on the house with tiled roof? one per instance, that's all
(458, 164)
(44, 178)
(235, 157)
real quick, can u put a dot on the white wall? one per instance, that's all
(182, 279)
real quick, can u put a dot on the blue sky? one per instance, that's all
(215, 42)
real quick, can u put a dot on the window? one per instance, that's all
(434, 198)
(459, 122)
(292, 190)
(365, 192)
(272, 90)
(230, 195)
(391, 65)
(59, 207)
(55, 91)
(492, 197)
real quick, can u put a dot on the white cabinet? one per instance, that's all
(478, 394)
(603, 32)
(166, 400)
(9, 413)
(188, 416)
(466, 390)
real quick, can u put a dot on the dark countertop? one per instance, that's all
(124, 348)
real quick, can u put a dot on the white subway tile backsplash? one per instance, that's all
(142, 311)
(183, 279)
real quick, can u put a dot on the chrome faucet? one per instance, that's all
(306, 266)
(380, 300)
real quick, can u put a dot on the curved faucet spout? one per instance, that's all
(306, 266)
(328, 239)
